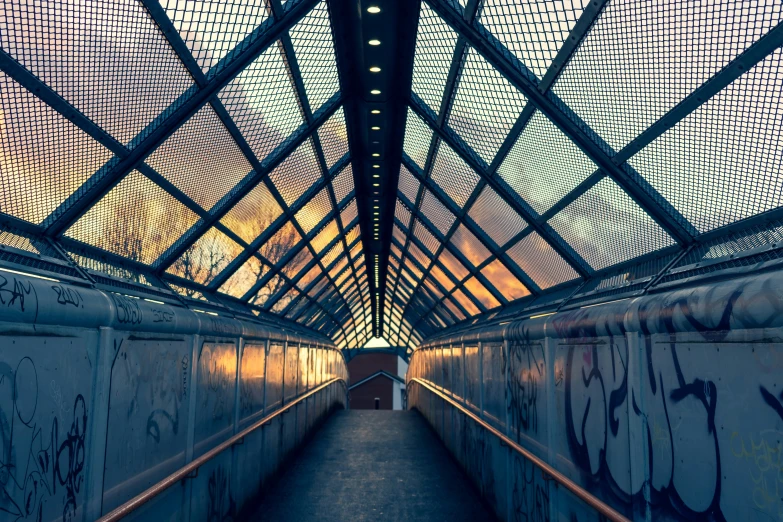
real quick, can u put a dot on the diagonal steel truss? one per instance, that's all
(332, 309)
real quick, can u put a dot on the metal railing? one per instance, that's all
(603, 508)
(184, 472)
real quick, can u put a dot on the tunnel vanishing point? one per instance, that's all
(558, 223)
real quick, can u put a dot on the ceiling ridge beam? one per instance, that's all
(456, 65)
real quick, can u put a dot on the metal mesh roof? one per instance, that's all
(505, 155)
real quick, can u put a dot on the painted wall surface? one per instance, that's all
(102, 396)
(365, 365)
(667, 406)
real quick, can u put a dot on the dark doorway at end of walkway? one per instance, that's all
(373, 465)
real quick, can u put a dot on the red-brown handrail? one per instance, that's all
(158, 488)
(566, 482)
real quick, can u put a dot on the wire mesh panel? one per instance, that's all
(206, 258)
(250, 273)
(435, 42)
(469, 246)
(312, 41)
(334, 138)
(43, 156)
(496, 217)
(504, 281)
(436, 213)
(544, 165)
(253, 214)
(337, 267)
(452, 265)
(107, 58)
(262, 102)
(453, 175)
(730, 245)
(325, 236)
(722, 163)
(423, 259)
(540, 261)
(605, 226)
(308, 277)
(94, 262)
(408, 185)
(212, 28)
(342, 184)
(433, 288)
(422, 233)
(402, 213)
(534, 30)
(272, 287)
(348, 214)
(398, 234)
(284, 301)
(418, 136)
(322, 282)
(282, 242)
(201, 159)
(460, 297)
(642, 58)
(137, 220)
(314, 211)
(481, 293)
(440, 276)
(332, 254)
(297, 173)
(21, 241)
(485, 106)
(294, 267)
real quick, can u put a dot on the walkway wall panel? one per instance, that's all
(667, 406)
(103, 395)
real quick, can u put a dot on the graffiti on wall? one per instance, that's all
(526, 373)
(221, 507)
(39, 459)
(530, 493)
(149, 371)
(685, 441)
(218, 366)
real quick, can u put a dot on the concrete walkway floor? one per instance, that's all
(372, 465)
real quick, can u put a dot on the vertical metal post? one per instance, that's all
(195, 357)
(297, 391)
(637, 424)
(451, 392)
(509, 460)
(238, 373)
(550, 356)
(99, 423)
(237, 392)
(263, 408)
(480, 356)
(282, 381)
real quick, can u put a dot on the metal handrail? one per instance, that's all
(158, 488)
(570, 485)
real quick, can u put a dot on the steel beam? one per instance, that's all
(564, 118)
(521, 207)
(172, 118)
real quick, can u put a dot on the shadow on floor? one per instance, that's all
(372, 465)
